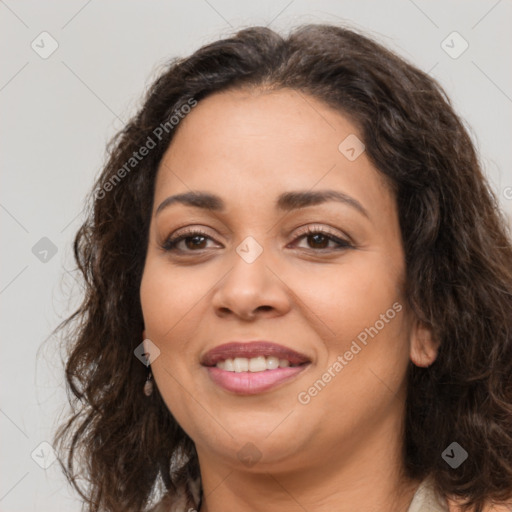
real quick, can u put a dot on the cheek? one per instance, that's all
(171, 302)
(349, 297)
(168, 298)
(361, 308)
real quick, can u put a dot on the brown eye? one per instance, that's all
(319, 239)
(196, 241)
(193, 241)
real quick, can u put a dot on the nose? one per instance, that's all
(251, 290)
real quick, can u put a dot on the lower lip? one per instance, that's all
(252, 383)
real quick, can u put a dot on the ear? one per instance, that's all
(423, 348)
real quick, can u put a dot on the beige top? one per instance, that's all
(424, 500)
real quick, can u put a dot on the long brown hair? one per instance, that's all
(458, 268)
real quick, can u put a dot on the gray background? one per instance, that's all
(58, 112)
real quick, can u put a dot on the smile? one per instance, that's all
(253, 364)
(249, 368)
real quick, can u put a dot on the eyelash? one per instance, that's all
(170, 244)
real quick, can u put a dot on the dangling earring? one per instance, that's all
(148, 385)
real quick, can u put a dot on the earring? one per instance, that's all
(148, 385)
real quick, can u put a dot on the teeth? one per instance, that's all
(228, 365)
(241, 364)
(254, 364)
(272, 363)
(257, 364)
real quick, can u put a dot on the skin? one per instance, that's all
(342, 450)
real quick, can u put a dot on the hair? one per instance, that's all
(458, 257)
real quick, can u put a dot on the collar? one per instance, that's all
(425, 499)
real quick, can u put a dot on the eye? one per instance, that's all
(194, 239)
(320, 238)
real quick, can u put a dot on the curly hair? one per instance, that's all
(458, 256)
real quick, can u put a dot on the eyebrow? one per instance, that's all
(287, 201)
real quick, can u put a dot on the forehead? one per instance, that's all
(255, 144)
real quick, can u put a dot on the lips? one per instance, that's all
(252, 349)
(248, 360)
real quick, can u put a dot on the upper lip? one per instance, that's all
(251, 349)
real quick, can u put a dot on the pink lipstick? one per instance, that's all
(253, 367)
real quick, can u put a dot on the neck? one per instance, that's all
(366, 476)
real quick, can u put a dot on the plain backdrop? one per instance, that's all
(59, 110)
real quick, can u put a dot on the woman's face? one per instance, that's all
(334, 296)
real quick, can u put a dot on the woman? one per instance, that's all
(299, 292)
